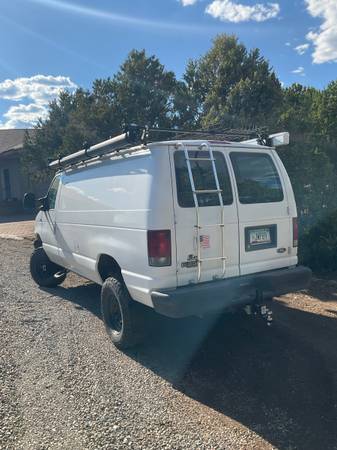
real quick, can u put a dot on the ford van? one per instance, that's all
(185, 227)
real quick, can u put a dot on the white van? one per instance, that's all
(184, 227)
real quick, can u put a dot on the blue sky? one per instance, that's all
(49, 45)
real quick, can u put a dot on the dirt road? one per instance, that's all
(236, 385)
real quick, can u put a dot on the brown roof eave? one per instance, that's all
(14, 152)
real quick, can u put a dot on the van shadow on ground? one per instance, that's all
(279, 382)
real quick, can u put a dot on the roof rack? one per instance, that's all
(134, 135)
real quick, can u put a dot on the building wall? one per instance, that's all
(19, 183)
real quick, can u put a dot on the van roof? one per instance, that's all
(139, 150)
(83, 156)
(139, 137)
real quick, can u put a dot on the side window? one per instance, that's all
(257, 178)
(203, 179)
(52, 193)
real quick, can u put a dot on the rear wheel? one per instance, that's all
(123, 318)
(44, 272)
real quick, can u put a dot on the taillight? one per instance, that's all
(159, 247)
(295, 232)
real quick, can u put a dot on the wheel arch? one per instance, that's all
(37, 241)
(107, 266)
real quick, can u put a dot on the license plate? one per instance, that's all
(259, 236)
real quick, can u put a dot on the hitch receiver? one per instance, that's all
(261, 311)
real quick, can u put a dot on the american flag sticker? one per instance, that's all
(204, 241)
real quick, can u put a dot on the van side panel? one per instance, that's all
(107, 208)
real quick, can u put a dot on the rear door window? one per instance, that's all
(257, 178)
(203, 178)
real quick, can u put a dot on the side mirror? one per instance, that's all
(44, 204)
(29, 201)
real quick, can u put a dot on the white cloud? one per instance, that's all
(39, 88)
(24, 116)
(188, 2)
(325, 38)
(37, 91)
(288, 44)
(227, 10)
(299, 71)
(301, 49)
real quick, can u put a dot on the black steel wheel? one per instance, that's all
(113, 315)
(44, 272)
(123, 318)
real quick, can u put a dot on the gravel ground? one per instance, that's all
(235, 385)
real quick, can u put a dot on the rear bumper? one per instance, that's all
(217, 296)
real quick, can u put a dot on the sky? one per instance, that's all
(51, 45)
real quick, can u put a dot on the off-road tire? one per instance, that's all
(123, 317)
(44, 272)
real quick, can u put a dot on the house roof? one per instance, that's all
(13, 139)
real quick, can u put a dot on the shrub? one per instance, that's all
(318, 245)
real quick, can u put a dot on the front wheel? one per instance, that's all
(123, 318)
(44, 272)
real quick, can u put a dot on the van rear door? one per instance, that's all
(211, 217)
(265, 222)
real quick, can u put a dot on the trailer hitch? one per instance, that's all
(261, 311)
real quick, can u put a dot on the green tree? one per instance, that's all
(141, 92)
(188, 99)
(326, 114)
(48, 138)
(299, 111)
(234, 87)
(144, 91)
(308, 162)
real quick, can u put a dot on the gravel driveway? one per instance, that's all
(238, 385)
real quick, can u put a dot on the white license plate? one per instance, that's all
(260, 236)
